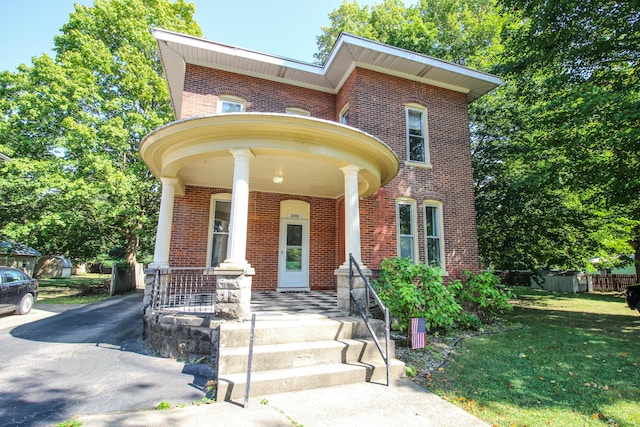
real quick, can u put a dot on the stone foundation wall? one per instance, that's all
(183, 337)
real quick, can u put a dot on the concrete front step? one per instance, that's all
(298, 355)
(232, 387)
(297, 330)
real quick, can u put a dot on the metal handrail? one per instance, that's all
(365, 314)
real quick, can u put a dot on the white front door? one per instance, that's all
(293, 259)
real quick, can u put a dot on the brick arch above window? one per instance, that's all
(299, 198)
(230, 91)
(418, 102)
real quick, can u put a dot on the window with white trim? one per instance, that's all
(219, 229)
(417, 134)
(433, 231)
(230, 104)
(297, 112)
(344, 115)
(406, 214)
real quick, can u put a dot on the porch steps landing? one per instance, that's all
(299, 354)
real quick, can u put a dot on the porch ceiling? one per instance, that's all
(307, 152)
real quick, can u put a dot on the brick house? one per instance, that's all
(275, 170)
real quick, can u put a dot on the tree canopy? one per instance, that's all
(72, 125)
(555, 148)
(573, 67)
(464, 32)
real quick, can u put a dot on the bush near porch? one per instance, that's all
(410, 290)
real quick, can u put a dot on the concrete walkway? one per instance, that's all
(370, 405)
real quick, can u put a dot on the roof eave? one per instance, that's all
(329, 77)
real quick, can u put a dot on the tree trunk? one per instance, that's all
(635, 244)
(636, 261)
(131, 249)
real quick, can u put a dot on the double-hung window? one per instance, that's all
(434, 244)
(297, 112)
(344, 115)
(417, 135)
(230, 104)
(219, 228)
(406, 214)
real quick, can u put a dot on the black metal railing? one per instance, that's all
(369, 293)
(184, 290)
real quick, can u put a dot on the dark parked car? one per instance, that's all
(18, 291)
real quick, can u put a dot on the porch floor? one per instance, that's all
(287, 305)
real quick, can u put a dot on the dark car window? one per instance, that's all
(15, 276)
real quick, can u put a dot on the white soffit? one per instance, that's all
(176, 50)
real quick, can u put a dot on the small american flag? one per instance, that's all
(418, 332)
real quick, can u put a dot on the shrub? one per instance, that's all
(468, 320)
(482, 295)
(410, 290)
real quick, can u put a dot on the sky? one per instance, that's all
(286, 28)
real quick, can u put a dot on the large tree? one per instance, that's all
(573, 66)
(72, 125)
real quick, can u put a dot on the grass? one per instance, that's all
(80, 289)
(574, 363)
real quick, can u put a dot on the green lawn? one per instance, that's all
(81, 289)
(573, 363)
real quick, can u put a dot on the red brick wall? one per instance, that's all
(203, 85)
(450, 181)
(377, 107)
(190, 230)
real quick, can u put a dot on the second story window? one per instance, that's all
(417, 135)
(230, 104)
(344, 115)
(298, 112)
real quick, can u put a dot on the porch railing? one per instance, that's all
(184, 290)
(369, 292)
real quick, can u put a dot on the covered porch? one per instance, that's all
(247, 156)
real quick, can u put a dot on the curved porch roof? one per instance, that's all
(306, 152)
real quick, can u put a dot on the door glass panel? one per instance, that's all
(294, 247)
(294, 235)
(294, 259)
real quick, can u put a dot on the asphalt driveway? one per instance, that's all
(57, 362)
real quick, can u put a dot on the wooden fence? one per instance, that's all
(612, 282)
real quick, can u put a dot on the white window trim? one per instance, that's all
(298, 112)
(414, 226)
(438, 205)
(344, 111)
(425, 125)
(212, 206)
(230, 98)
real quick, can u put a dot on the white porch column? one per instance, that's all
(352, 241)
(352, 214)
(237, 249)
(165, 219)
